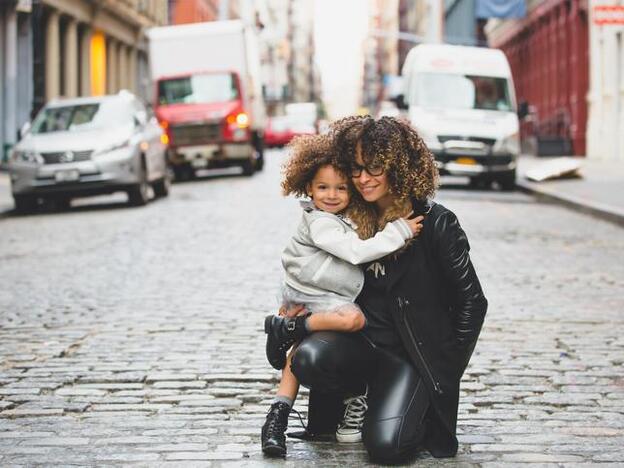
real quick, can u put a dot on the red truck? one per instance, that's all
(208, 95)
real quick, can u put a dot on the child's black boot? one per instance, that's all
(282, 333)
(274, 429)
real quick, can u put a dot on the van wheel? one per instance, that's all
(248, 167)
(25, 203)
(507, 182)
(62, 204)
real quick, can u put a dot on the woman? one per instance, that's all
(424, 308)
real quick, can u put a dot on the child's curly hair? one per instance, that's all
(395, 145)
(308, 153)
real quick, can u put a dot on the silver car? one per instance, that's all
(89, 146)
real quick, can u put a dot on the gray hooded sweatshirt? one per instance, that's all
(323, 255)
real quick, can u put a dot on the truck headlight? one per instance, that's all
(30, 157)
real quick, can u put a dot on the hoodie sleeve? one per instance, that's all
(329, 235)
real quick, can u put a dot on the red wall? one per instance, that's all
(549, 56)
(194, 11)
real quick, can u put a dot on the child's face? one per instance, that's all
(329, 190)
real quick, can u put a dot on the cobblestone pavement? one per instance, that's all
(134, 335)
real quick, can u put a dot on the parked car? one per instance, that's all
(89, 146)
(278, 132)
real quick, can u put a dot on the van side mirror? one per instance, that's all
(24, 130)
(400, 102)
(523, 109)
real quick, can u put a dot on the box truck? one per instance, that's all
(462, 102)
(208, 95)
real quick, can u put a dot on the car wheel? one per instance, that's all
(138, 194)
(248, 167)
(25, 203)
(162, 186)
(508, 181)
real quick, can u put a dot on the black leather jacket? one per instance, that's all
(438, 307)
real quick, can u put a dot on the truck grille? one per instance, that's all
(195, 133)
(61, 157)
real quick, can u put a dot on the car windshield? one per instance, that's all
(79, 117)
(198, 89)
(454, 91)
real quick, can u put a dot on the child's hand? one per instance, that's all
(292, 312)
(415, 224)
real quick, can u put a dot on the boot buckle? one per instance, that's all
(290, 326)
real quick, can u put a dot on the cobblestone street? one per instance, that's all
(134, 335)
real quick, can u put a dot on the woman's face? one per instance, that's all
(373, 188)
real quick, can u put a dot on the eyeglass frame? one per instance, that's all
(356, 170)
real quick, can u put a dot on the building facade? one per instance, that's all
(303, 74)
(381, 57)
(605, 126)
(69, 48)
(549, 56)
(197, 11)
(16, 93)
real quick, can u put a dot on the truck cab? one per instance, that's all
(206, 121)
(461, 100)
(208, 95)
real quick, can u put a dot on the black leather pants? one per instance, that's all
(394, 425)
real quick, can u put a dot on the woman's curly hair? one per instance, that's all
(308, 153)
(395, 145)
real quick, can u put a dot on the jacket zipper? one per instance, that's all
(436, 384)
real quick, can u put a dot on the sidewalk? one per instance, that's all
(600, 190)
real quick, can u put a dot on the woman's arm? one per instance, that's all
(469, 305)
(330, 236)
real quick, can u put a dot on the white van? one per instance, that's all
(461, 100)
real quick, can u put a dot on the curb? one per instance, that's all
(599, 210)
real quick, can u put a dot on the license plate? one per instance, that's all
(466, 161)
(199, 163)
(67, 176)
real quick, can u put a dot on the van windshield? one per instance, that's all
(454, 91)
(198, 89)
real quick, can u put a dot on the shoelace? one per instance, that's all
(354, 412)
(293, 410)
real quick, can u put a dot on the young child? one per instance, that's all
(321, 272)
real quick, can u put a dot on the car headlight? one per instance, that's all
(511, 144)
(28, 156)
(109, 149)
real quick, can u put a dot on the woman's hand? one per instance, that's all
(415, 224)
(294, 311)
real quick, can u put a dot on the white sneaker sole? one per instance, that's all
(349, 438)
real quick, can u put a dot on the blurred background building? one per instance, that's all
(53, 48)
(303, 75)
(549, 56)
(605, 128)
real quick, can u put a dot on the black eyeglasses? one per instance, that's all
(374, 170)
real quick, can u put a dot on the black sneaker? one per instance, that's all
(282, 333)
(274, 428)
